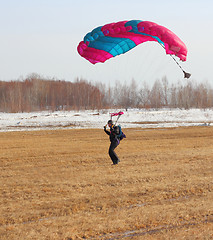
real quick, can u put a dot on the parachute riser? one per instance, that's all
(118, 116)
(117, 119)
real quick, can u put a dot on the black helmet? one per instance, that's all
(110, 121)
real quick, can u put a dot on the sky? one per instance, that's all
(42, 37)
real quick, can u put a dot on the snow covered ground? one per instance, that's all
(141, 118)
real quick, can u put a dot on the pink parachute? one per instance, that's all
(113, 39)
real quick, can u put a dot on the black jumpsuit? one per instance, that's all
(114, 143)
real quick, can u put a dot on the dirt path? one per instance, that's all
(61, 185)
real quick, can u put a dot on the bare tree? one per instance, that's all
(156, 95)
(144, 96)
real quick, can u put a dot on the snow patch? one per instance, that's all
(133, 118)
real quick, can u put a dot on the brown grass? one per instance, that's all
(61, 185)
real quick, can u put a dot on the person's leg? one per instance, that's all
(112, 153)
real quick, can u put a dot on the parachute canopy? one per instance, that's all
(113, 39)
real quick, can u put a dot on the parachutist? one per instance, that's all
(115, 136)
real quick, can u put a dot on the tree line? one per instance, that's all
(36, 93)
(184, 95)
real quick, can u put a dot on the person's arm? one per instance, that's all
(107, 132)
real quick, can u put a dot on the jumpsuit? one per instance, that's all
(114, 139)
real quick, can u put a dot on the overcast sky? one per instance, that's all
(41, 36)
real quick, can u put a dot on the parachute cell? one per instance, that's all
(114, 39)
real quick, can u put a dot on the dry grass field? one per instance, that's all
(61, 185)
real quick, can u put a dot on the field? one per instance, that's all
(61, 185)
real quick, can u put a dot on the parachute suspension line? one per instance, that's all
(186, 75)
